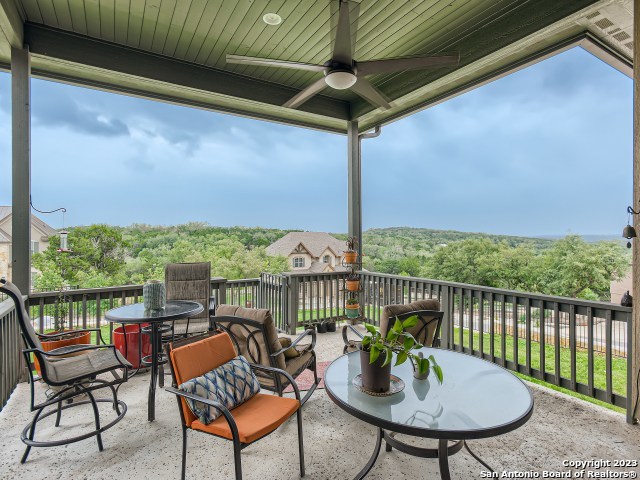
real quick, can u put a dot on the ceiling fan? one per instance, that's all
(343, 72)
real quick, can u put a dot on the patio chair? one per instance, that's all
(70, 371)
(245, 424)
(190, 281)
(255, 335)
(427, 331)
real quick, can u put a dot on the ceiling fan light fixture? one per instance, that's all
(272, 19)
(340, 79)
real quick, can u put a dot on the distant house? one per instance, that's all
(40, 233)
(310, 252)
(620, 287)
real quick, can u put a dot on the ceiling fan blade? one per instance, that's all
(370, 93)
(267, 62)
(343, 45)
(407, 63)
(306, 94)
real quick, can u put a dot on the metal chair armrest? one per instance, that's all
(278, 371)
(81, 348)
(212, 403)
(345, 331)
(312, 345)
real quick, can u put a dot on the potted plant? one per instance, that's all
(352, 308)
(321, 326)
(351, 253)
(331, 325)
(377, 352)
(353, 282)
(60, 311)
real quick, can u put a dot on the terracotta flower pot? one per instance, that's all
(353, 285)
(352, 311)
(375, 377)
(350, 257)
(82, 338)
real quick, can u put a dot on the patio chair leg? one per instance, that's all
(300, 441)
(96, 414)
(59, 414)
(237, 450)
(32, 432)
(116, 406)
(184, 452)
(161, 376)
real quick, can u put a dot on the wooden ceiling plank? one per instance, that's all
(190, 25)
(262, 33)
(134, 28)
(176, 26)
(252, 19)
(48, 13)
(32, 11)
(319, 34)
(204, 32)
(307, 26)
(107, 20)
(277, 35)
(229, 16)
(445, 27)
(92, 13)
(78, 19)
(121, 21)
(63, 14)
(11, 25)
(167, 10)
(149, 23)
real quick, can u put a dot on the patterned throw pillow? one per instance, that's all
(230, 384)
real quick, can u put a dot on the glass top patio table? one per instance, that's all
(136, 313)
(477, 399)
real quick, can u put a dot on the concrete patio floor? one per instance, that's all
(336, 444)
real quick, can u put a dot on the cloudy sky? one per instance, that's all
(547, 150)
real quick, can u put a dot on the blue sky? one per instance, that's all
(547, 150)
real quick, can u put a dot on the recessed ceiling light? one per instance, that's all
(272, 19)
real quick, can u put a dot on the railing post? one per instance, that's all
(291, 290)
(222, 293)
(447, 307)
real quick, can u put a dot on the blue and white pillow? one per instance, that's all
(230, 384)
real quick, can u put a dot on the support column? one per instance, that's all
(634, 354)
(355, 184)
(21, 168)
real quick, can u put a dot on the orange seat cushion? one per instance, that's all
(255, 418)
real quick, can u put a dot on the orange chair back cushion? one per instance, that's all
(196, 359)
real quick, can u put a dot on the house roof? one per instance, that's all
(314, 242)
(4, 237)
(175, 51)
(46, 229)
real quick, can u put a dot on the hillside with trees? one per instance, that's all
(104, 255)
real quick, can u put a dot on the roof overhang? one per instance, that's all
(601, 27)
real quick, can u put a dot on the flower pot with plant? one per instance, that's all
(351, 253)
(352, 308)
(60, 311)
(321, 327)
(353, 282)
(377, 353)
(331, 325)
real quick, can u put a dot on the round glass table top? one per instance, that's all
(136, 313)
(477, 399)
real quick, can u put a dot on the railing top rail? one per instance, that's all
(6, 307)
(321, 274)
(500, 291)
(244, 280)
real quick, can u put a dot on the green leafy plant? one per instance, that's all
(401, 342)
(352, 244)
(352, 301)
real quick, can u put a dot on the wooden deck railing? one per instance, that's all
(575, 344)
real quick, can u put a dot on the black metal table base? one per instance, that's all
(442, 453)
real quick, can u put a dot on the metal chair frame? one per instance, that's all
(82, 385)
(436, 317)
(253, 329)
(238, 446)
